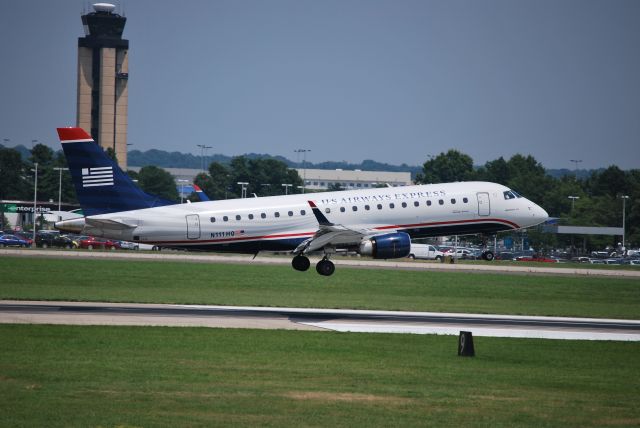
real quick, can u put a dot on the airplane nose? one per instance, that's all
(542, 213)
(533, 214)
(537, 213)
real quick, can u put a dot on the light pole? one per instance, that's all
(624, 206)
(304, 169)
(244, 185)
(182, 181)
(60, 185)
(286, 188)
(575, 169)
(203, 148)
(33, 142)
(573, 200)
(35, 198)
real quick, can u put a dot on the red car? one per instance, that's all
(26, 236)
(540, 259)
(91, 242)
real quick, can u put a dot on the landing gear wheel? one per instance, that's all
(300, 263)
(325, 267)
(488, 256)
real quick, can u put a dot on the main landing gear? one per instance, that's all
(324, 267)
(300, 263)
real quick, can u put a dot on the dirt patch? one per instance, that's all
(347, 397)
(495, 398)
(632, 422)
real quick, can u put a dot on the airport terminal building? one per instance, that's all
(321, 179)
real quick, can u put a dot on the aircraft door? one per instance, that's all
(193, 226)
(484, 207)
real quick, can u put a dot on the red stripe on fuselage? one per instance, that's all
(440, 223)
(240, 238)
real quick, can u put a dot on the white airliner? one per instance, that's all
(373, 222)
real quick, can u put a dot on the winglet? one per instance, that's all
(203, 196)
(322, 220)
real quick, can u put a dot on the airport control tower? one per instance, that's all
(103, 70)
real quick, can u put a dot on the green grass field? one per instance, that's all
(143, 377)
(260, 285)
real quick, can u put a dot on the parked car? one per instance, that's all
(581, 259)
(126, 245)
(54, 239)
(12, 241)
(505, 255)
(600, 254)
(425, 251)
(27, 236)
(463, 253)
(91, 242)
(540, 259)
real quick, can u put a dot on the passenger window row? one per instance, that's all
(393, 205)
(238, 217)
(342, 209)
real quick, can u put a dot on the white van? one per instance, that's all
(425, 251)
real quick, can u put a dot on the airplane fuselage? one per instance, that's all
(281, 223)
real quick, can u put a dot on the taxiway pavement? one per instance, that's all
(95, 313)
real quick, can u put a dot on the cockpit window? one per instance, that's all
(510, 194)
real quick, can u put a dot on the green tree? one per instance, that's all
(159, 182)
(217, 185)
(12, 175)
(265, 177)
(529, 178)
(496, 171)
(447, 167)
(112, 154)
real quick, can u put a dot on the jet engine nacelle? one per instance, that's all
(389, 246)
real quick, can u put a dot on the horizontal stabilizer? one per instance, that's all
(109, 224)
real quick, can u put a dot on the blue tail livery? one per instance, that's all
(101, 186)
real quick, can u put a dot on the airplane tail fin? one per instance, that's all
(201, 195)
(101, 186)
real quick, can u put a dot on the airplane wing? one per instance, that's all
(331, 234)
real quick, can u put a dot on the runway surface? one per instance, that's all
(353, 262)
(93, 313)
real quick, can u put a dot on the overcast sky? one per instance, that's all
(389, 80)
